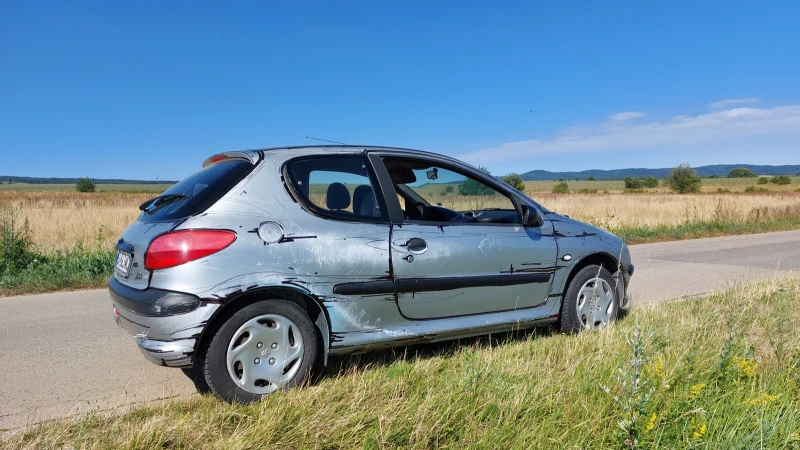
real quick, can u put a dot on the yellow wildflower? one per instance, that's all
(650, 424)
(659, 367)
(747, 366)
(700, 431)
(695, 391)
(763, 399)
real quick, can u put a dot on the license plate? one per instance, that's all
(123, 264)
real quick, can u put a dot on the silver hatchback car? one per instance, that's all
(256, 268)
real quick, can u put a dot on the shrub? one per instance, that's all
(781, 179)
(448, 190)
(515, 181)
(633, 183)
(16, 251)
(639, 183)
(84, 185)
(561, 188)
(741, 172)
(763, 180)
(750, 189)
(651, 182)
(475, 187)
(683, 179)
(589, 178)
(587, 191)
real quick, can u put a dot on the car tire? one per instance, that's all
(590, 302)
(259, 345)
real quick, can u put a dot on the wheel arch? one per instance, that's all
(602, 259)
(313, 307)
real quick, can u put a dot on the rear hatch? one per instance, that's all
(192, 196)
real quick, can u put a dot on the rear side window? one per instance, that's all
(338, 186)
(197, 192)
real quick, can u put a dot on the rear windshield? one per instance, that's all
(197, 192)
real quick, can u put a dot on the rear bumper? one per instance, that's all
(166, 340)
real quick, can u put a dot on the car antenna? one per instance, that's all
(325, 140)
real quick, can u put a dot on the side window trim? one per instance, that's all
(391, 197)
(316, 211)
(386, 188)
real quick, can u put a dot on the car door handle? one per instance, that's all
(416, 245)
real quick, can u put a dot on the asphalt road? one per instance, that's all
(62, 353)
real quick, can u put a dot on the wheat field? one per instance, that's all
(59, 220)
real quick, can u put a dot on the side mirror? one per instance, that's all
(531, 217)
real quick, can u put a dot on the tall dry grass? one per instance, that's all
(649, 210)
(58, 220)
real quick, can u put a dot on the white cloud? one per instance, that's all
(627, 116)
(732, 101)
(677, 132)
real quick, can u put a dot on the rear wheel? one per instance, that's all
(590, 302)
(264, 347)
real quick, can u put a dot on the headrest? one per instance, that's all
(338, 196)
(358, 196)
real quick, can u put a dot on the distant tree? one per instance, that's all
(683, 179)
(781, 179)
(561, 179)
(763, 180)
(447, 190)
(561, 188)
(475, 187)
(741, 172)
(515, 181)
(714, 176)
(84, 185)
(589, 178)
(651, 182)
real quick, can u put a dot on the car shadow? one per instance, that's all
(340, 365)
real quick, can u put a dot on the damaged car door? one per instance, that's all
(462, 247)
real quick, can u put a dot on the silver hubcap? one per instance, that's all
(595, 304)
(265, 353)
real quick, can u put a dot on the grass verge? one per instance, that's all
(25, 270)
(721, 371)
(703, 229)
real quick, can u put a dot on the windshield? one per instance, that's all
(197, 192)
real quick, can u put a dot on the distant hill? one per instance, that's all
(37, 180)
(618, 174)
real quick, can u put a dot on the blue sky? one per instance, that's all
(150, 89)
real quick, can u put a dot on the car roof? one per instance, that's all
(310, 149)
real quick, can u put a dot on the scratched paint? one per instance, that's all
(315, 254)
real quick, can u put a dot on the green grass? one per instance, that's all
(718, 372)
(24, 270)
(76, 269)
(702, 229)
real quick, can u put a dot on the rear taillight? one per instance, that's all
(179, 247)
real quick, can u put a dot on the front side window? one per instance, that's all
(338, 186)
(432, 193)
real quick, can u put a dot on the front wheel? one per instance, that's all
(590, 302)
(263, 347)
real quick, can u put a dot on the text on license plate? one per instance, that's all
(123, 264)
